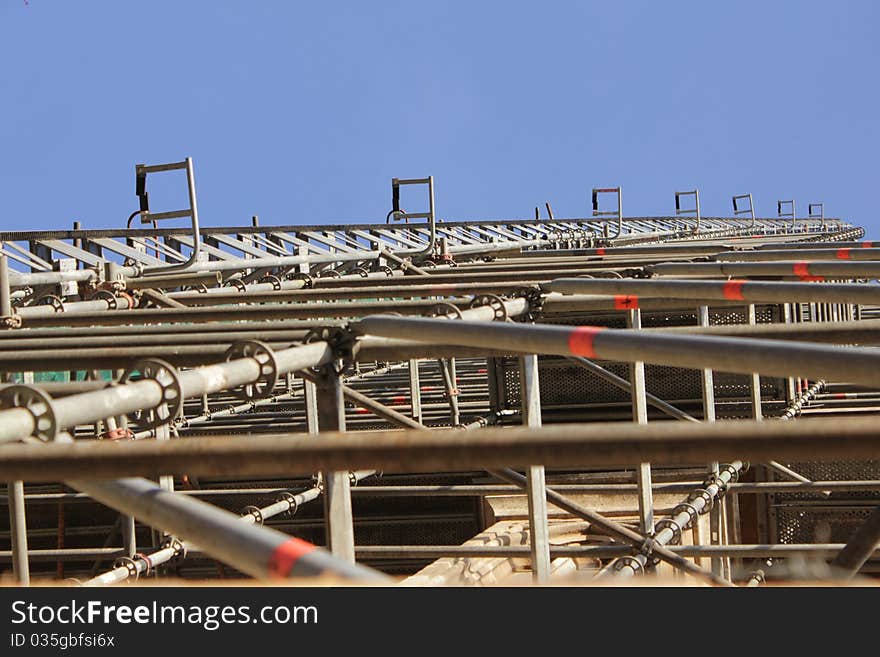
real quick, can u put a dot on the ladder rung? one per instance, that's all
(147, 217)
(156, 168)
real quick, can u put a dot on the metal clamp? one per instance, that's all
(493, 301)
(386, 269)
(273, 280)
(237, 283)
(291, 500)
(147, 561)
(604, 273)
(647, 547)
(38, 404)
(535, 299)
(308, 281)
(265, 357)
(340, 340)
(708, 498)
(758, 577)
(10, 321)
(109, 297)
(329, 273)
(176, 544)
(734, 474)
(714, 479)
(120, 433)
(129, 565)
(444, 309)
(51, 300)
(360, 271)
(255, 512)
(396, 215)
(166, 376)
(690, 509)
(632, 562)
(671, 525)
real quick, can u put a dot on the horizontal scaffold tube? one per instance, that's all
(738, 355)
(75, 307)
(605, 551)
(865, 252)
(566, 303)
(87, 407)
(734, 290)
(810, 550)
(477, 490)
(141, 563)
(815, 270)
(239, 312)
(866, 331)
(389, 291)
(216, 329)
(253, 549)
(563, 445)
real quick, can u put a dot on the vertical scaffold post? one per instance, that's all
(17, 517)
(640, 416)
(337, 485)
(708, 387)
(18, 533)
(535, 483)
(415, 390)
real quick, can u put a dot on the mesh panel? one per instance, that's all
(426, 532)
(804, 525)
(565, 384)
(835, 471)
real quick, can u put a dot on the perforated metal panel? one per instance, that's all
(836, 471)
(827, 525)
(804, 518)
(565, 384)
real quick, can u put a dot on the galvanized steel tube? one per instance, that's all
(768, 357)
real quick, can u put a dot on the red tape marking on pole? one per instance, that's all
(867, 245)
(399, 399)
(843, 254)
(285, 556)
(600, 251)
(802, 271)
(733, 290)
(580, 341)
(626, 301)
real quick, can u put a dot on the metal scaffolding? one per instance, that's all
(521, 400)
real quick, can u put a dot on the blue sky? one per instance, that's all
(302, 112)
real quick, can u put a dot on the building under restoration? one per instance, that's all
(442, 402)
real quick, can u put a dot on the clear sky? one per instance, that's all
(302, 112)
